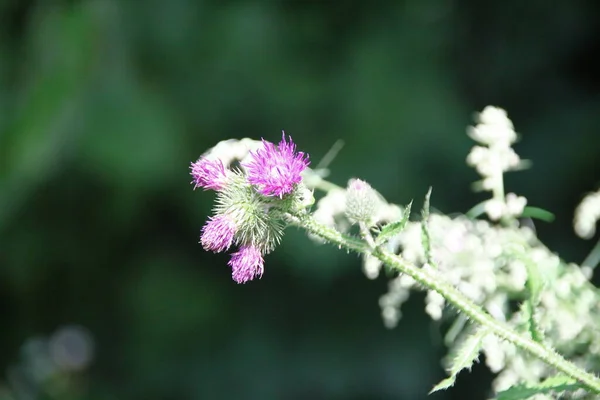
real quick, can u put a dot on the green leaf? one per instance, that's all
(443, 385)
(557, 383)
(534, 284)
(425, 237)
(463, 358)
(535, 281)
(531, 318)
(538, 213)
(425, 211)
(392, 229)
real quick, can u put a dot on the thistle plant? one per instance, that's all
(504, 294)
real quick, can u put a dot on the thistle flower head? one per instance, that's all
(276, 170)
(218, 233)
(361, 201)
(245, 212)
(256, 221)
(246, 264)
(209, 174)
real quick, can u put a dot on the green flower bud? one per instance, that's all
(361, 202)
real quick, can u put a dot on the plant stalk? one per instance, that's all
(453, 297)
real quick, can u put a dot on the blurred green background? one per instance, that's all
(103, 105)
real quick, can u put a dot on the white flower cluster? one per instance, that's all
(487, 263)
(567, 314)
(493, 157)
(491, 264)
(469, 255)
(512, 206)
(587, 214)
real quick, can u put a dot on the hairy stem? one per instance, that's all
(454, 297)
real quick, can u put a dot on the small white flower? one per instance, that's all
(494, 209)
(391, 316)
(495, 116)
(491, 182)
(434, 305)
(517, 275)
(477, 155)
(515, 204)
(493, 160)
(587, 214)
(495, 357)
(494, 127)
(371, 266)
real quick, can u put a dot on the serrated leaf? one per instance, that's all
(425, 237)
(531, 319)
(425, 211)
(392, 229)
(535, 281)
(557, 383)
(443, 385)
(534, 284)
(464, 357)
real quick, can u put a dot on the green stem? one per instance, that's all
(454, 297)
(593, 258)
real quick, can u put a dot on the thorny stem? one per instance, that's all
(454, 297)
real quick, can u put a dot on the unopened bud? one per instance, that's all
(361, 201)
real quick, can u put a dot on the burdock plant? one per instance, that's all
(473, 269)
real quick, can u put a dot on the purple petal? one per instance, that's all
(218, 233)
(209, 174)
(247, 263)
(276, 170)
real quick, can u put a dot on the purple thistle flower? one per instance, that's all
(246, 264)
(275, 170)
(218, 233)
(209, 174)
